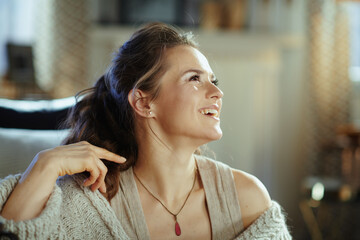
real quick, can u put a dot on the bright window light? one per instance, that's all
(317, 192)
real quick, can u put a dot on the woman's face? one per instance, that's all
(189, 102)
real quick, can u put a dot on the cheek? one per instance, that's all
(180, 102)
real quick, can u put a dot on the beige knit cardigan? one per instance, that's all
(75, 212)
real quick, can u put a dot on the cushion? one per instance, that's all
(19, 146)
(28, 114)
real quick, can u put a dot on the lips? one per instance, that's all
(211, 111)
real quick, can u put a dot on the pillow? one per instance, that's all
(19, 146)
(41, 114)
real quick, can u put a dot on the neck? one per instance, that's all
(168, 171)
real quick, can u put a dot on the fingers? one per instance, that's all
(95, 166)
(103, 188)
(97, 176)
(105, 154)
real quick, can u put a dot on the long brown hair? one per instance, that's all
(103, 116)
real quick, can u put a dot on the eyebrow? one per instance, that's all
(198, 71)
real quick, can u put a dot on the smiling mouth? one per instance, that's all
(210, 112)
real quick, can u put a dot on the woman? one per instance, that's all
(135, 138)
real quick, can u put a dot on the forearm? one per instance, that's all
(31, 193)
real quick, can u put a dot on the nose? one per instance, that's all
(214, 91)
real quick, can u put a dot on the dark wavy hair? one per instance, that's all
(103, 116)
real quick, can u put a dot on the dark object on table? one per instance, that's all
(21, 66)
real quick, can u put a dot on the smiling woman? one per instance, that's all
(187, 92)
(130, 167)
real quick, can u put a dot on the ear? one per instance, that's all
(140, 102)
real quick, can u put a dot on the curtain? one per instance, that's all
(61, 50)
(329, 86)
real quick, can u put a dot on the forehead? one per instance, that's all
(182, 58)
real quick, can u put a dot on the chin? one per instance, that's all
(207, 136)
(214, 136)
(219, 136)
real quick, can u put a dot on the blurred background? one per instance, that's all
(289, 69)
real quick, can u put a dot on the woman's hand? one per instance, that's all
(79, 157)
(36, 184)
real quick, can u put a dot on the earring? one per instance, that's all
(150, 112)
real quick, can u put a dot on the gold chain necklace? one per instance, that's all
(177, 226)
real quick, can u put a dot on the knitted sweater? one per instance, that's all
(75, 212)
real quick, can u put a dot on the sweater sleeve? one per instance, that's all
(270, 225)
(46, 226)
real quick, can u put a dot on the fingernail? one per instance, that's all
(84, 182)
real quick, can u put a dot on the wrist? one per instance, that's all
(31, 194)
(41, 167)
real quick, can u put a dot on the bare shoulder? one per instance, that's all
(253, 197)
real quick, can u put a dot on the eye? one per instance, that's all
(195, 78)
(215, 82)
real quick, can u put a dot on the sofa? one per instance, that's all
(28, 127)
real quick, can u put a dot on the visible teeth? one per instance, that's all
(209, 111)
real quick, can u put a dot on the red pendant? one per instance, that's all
(177, 229)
